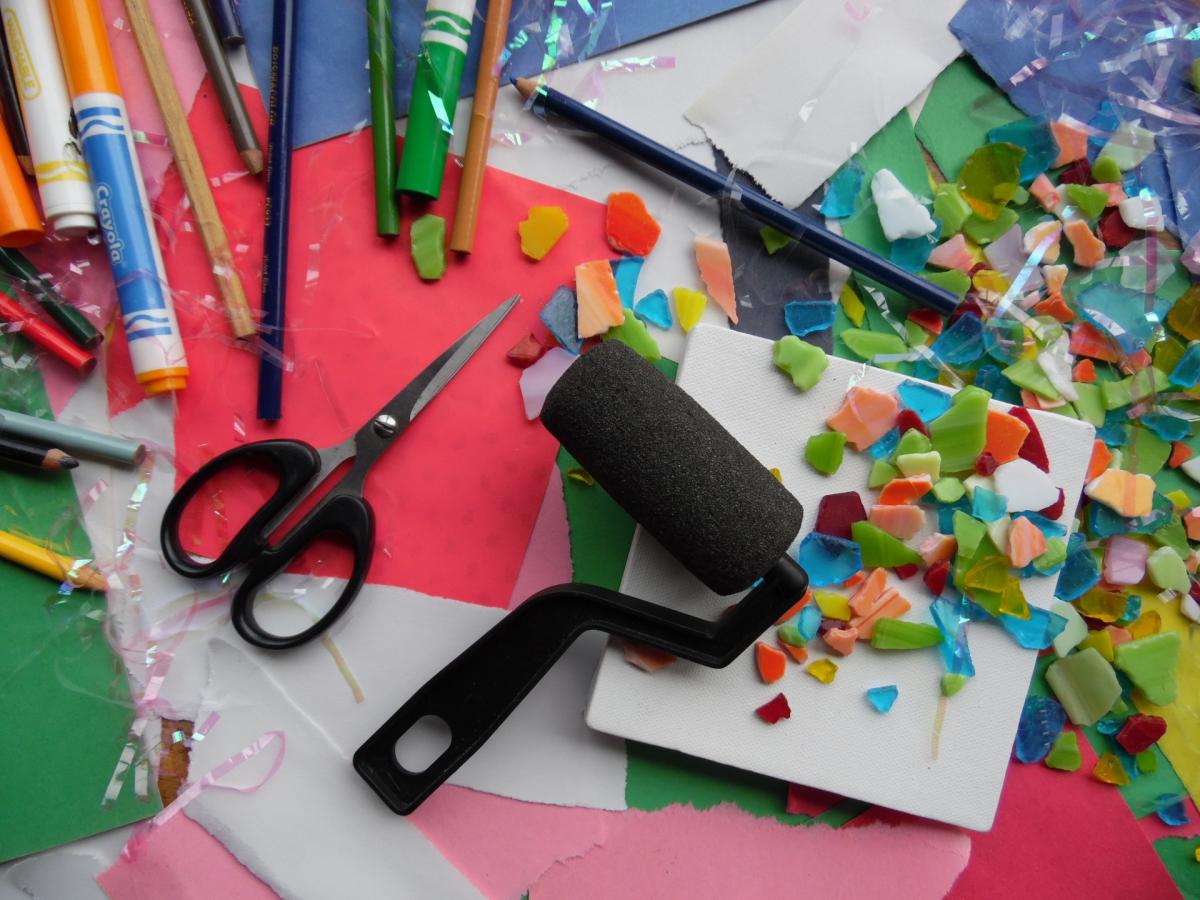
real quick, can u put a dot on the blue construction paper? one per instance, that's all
(1069, 58)
(331, 77)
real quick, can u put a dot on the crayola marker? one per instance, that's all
(122, 211)
(434, 96)
(58, 166)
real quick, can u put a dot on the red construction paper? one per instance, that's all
(457, 496)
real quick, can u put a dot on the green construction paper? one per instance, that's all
(64, 698)
(963, 106)
(1178, 855)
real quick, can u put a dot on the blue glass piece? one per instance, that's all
(1166, 426)
(560, 316)
(655, 308)
(1046, 526)
(1079, 573)
(911, 254)
(842, 194)
(1103, 123)
(924, 370)
(626, 271)
(989, 378)
(1133, 608)
(806, 316)
(1187, 371)
(1171, 810)
(925, 400)
(1115, 430)
(883, 697)
(951, 618)
(1034, 135)
(828, 559)
(988, 505)
(1038, 631)
(1110, 725)
(808, 621)
(961, 343)
(1121, 313)
(1004, 340)
(1042, 719)
(946, 514)
(883, 447)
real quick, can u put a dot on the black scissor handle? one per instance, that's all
(345, 514)
(295, 462)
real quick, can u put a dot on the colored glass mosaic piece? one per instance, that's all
(626, 272)
(1042, 721)
(896, 634)
(869, 344)
(900, 214)
(1035, 137)
(1150, 663)
(1171, 811)
(629, 226)
(990, 177)
(804, 317)
(803, 362)
(837, 512)
(841, 196)
(1088, 200)
(926, 401)
(950, 208)
(599, 305)
(828, 560)
(774, 709)
(824, 451)
(1065, 755)
(428, 237)
(1140, 732)
(632, 333)
(716, 271)
(824, 670)
(773, 239)
(655, 309)
(771, 662)
(1108, 769)
(561, 319)
(1125, 493)
(541, 230)
(1167, 570)
(952, 683)
(865, 416)
(901, 522)
(882, 698)
(983, 231)
(881, 473)
(1085, 684)
(881, 549)
(689, 307)
(960, 433)
(961, 343)
(526, 352)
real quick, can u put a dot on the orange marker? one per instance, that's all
(19, 222)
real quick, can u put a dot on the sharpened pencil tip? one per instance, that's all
(525, 86)
(253, 161)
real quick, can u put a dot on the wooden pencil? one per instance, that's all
(45, 561)
(191, 170)
(11, 104)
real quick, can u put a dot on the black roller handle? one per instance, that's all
(476, 692)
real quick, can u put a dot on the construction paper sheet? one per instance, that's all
(66, 871)
(798, 105)
(64, 700)
(181, 860)
(548, 556)
(362, 325)
(963, 106)
(1061, 58)
(1179, 856)
(331, 77)
(840, 743)
(314, 829)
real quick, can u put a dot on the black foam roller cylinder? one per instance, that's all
(672, 467)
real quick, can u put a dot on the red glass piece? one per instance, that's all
(1079, 172)
(774, 710)
(1141, 732)
(908, 419)
(967, 307)
(1033, 450)
(927, 319)
(837, 512)
(1054, 510)
(906, 571)
(527, 351)
(936, 576)
(1113, 230)
(985, 464)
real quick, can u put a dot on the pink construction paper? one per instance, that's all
(180, 860)
(457, 497)
(548, 556)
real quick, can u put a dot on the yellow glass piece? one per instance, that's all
(824, 670)
(1012, 601)
(853, 306)
(1148, 623)
(689, 306)
(1102, 641)
(1107, 606)
(541, 230)
(989, 574)
(990, 280)
(1179, 500)
(833, 606)
(1109, 770)
(778, 475)
(577, 474)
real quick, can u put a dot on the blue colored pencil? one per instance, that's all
(547, 101)
(275, 233)
(229, 26)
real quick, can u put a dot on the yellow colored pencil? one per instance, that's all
(46, 562)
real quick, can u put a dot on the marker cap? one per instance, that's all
(162, 381)
(72, 225)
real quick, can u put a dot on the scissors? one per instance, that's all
(343, 511)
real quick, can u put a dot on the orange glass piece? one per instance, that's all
(905, 490)
(1087, 341)
(1055, 307)
(1025, 542)
(772, 662)
(1072, 143)
(716, 270)
(841, 640)
(1084, 372)
(598, 300)
(1005, 436)
(900, 521)
(865, 416)
(890, 606)
(629, 226)
(648, 659)
(1109, 770)
(1180, 453)
(1101, 457)
(799, 654)
(937, 548)
(1045, 193)
(867, 596)
(1089, 249)
(1123, 492)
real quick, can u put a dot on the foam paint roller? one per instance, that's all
(702, 495)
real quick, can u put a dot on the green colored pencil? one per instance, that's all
(383, 115)
(76, 325)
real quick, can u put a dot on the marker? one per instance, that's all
(58, 166)
(122, 210)
(77, 326)
(380, 58)
(434, 95)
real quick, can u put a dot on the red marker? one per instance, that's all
(46, 336)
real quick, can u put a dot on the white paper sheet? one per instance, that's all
(802, 102)
(834, 740)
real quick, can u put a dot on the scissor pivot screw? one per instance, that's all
(385, 425)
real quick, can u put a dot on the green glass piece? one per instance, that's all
(1020, 196)
(1149, 381)
(1090, 403)
(912, 441)
(983, 231)
(824, 451)
(950, 209)
(1146, 453)
(869, 344)
(1167, 570)
(773, 239)
(1087, 199)
(1104, 171)
(1115, 394)
(1028, 374)
(952, 683)
(960, 433)
(1012, 599)
(1064, 755)
(632, 332)
(956, 282)
(1147, 762)
(1150, 664)
(1054, 554)
(428, 238)
(1168, 352)
(948, 490)
(894, 634)
(911, 464)
(790, 634)
(881, 474)
(1085, 685)
(991, 175)
(969, 532)
(881, 549)
(1173, 535)
(916, 335)
(804, 362)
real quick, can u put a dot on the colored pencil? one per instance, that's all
(78, 327)
(191, 169)
(275, 231)
(14, 122)
(487, 82)
(229, 25)
(123, 211)
(35, 456)
(551, 102)
(380, 58)
(81, 442)
(229, 95)
(46, 336)
(46, 562)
